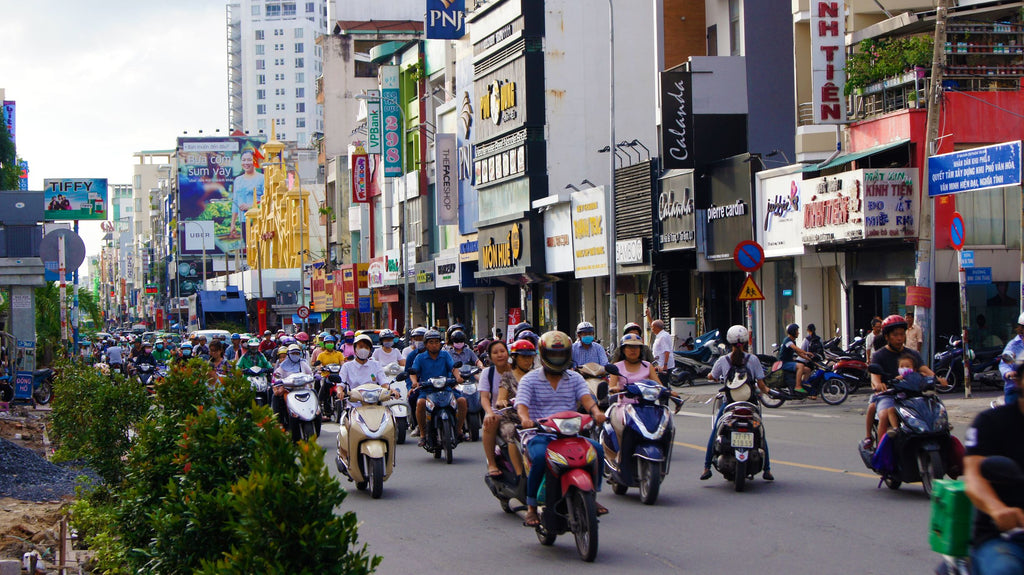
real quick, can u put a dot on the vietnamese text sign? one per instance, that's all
(828, 61)
(590, 240)
(978, 276)
(446, 183)
(446, 19)
(75, 199)
(860, 204)
(391, 116)
(373, 122)
(976, 169)
(967, 259)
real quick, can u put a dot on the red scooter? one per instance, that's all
(569, 489)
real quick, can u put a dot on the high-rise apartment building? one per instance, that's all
(273, 64)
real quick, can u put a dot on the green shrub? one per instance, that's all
(876, 60)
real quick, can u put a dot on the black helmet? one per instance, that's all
(792, 329)
(523, 326)
(454, 328)
(458, 336)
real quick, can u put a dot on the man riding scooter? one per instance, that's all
(435, 362)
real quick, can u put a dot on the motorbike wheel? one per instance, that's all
(362, 485)
(447, 440)
(44, 393)
(892, 482)
(834, 391)
(473, 423)
(619, 489)
(308, 431)
(584, 510)
(376, 477)
(853, 381)
(505, 505)
(6, 392)
(683, 379)
(401, 428)
(954, 374)
(650, 481)
(740, 479)
(545, 537)
(929, 465)
(771, 402)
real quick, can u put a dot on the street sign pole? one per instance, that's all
(75, 312)
(61, 261)
(964, 322)
(749, 257)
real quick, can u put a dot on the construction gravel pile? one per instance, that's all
(26, 475)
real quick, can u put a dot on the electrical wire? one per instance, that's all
(983, 101)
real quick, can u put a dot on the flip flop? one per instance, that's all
(531, 519)
(601, 510)
(801, 390)
(494, 474)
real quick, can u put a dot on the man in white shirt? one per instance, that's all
(662, 347)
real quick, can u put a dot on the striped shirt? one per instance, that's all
(582, 355)
(535, 392)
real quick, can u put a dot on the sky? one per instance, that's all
(96, 81)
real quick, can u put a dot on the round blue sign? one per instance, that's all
(748, 256)
(956, 231)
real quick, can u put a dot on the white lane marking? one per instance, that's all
(708, 415)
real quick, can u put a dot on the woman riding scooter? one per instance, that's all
(738, 337)
(498, 390)
(632, 368)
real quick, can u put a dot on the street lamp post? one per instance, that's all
(613, 307)
(405, 210)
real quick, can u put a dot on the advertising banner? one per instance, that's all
(360, 177)
(9, 119)
(446, 19)
(468, 204)
(446, 271)
(375, 272)
(329, 292)
(676, 212)
(218, 181)
(75, 199)
(780, 216)
(975, 169)
(677, 120)
(828, 61)
(860, 204)
(373, 122)
(505, 249)
(558, 255)
(446, 189)
(392, 120)
(729, 219)
(590, 241)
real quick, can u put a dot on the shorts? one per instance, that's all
(882, 402)
(789, 366)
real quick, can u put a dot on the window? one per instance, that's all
(300, 122)
(261, 65)
(288, 8)
(279, 107)
(300, 77)
(282, 136)
(279, 121)
(300, 92)
(298, 32)
(279, 91)
(713, 40)
(255, 9)
(735, 31)
(261, 94)
(366, 69)
(300, 63)
(300, 107)
(299, 47)
(302, 137)
(273, 10)
(259, 34)
(310, 7)
(261, 124)
(278, 47)
(261, 79)
(261, 109)
(279, 61)
(260, 49)
(278, 77)
(278, 31)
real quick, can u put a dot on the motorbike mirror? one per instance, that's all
(457, 365)
(775, 345)
(402, 376)
(611, 369)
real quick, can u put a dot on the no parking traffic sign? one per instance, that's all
(749, 256)
(956, 231)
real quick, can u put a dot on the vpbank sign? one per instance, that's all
(446, 19)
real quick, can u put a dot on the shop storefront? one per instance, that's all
(635, 207)
(479, 293)
(675, 247)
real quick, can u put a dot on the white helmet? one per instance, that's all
(737, 334)
(1020, 319)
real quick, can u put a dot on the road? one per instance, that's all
(823, 514)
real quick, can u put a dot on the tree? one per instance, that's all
(10, 173)
(48, 315)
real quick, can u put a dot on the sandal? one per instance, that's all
(494, 472)
(531, 519)
(801, 390)
(601, 510)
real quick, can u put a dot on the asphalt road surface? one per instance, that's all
(824, 513)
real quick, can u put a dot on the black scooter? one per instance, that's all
(509, 485)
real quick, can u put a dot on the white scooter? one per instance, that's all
(302, 404)
(399, 406)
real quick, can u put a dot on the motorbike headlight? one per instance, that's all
(591, 454)
(569, 426)
(430, 405)
(371, 395)
(942, 419)
(469, 388)
(650, 393)
(912, 421)
(556, 461)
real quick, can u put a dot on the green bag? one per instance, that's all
(950, 526)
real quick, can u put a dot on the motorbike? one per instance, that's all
(440, 434)
(694, 365)
(597, 380)
(399, 406)
(509, 485)
(257, 377)
(42, 387)
(831, 386)
(738, 447)
(984, 364)
(475, 411)
(302, 404)
(366, 439)
(637, 439)
(849, 361)
(144, 373)
(568, 491)
(922, 448)
(330, 375)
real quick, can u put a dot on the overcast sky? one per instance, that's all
(95, 81)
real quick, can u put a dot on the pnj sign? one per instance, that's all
(446, 19)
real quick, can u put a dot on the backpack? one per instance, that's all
(883, 460)
(492, 387)
(739, 371)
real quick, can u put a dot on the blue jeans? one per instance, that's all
(1010, 393)
(536, 450)
(998, 556)
(711, 443)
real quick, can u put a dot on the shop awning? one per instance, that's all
(847, 158)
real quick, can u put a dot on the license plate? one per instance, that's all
(742, 439)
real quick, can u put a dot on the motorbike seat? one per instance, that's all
(42, 373)
(698, 354)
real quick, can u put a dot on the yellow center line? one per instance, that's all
(792, 463)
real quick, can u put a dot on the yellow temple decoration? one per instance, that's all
(277, 227)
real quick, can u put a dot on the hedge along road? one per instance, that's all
(823, 513)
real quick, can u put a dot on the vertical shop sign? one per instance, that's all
(828, 61)
(392, 119)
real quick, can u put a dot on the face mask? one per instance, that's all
(294, 356)
(362, 353)
(387, 343)
(329, 345)
(905, 371)
(419, 344)
(459, 346)
(587, 339)
(159, 347)
(186, 352)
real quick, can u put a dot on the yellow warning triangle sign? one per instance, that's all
(750, 290)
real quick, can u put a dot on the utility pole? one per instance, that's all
(613, 307)
(924, 275)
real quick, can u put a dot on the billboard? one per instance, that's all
(8, 117)
(446, 19)
(677, 120)
(218, 181)
(446, 187)
(392, 120)
(75, 199)
(590, 239)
